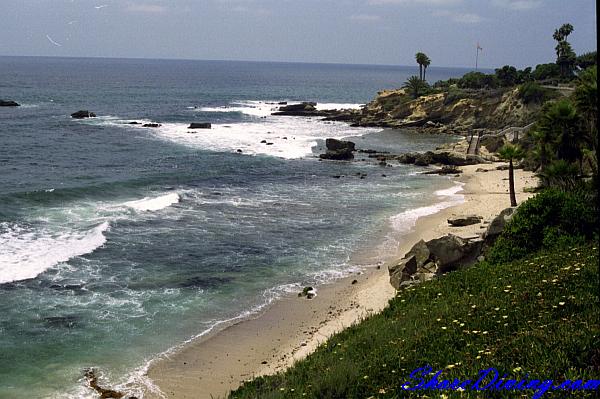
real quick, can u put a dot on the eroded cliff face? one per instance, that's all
(455, 111)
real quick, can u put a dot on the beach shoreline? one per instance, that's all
(293, 327)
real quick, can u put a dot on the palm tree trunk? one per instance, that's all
(420, 71)
(424, 73)
(511, 183)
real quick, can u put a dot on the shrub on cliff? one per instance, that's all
(531, 92)
(478, 80)
(552, 218)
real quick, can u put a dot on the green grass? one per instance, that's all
(539, 315)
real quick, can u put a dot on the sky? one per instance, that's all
(389, 32)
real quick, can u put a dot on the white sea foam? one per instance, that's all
(405, 221)
(153, 203)
(25, 254)
(279, 136)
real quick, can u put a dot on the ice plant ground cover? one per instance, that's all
(538, 316)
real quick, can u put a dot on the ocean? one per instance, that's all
(118, 242)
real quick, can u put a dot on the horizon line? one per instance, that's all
(247, 61)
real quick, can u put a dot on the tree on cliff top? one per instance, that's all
(565, 56)
(415, 86)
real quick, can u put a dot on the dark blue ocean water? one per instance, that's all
(119, 242)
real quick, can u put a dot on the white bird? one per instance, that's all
(53, 42)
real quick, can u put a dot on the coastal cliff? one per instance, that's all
(454, 111)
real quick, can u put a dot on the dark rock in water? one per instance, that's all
(201, 282)
(302, 109)
(9, 103)
(282, 103)
(61, 321)
(408, 158)
(263, 141)
(151, 125)
(200, 126)
(338, 150)
(335, 145)
(465, 221)
(341, 155)
(134, 123)
(239, 151)
(83, 115)
(269, 143)
(92, 379)
(423, 159)
(445, 170)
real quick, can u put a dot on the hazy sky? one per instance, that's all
(516, 32)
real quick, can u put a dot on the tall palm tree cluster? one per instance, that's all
(566, 135)
(417, 85)
(565, 56)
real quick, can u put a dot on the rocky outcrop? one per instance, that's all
(203, 125)
(338, 150)
(465, 220)
(445, 170)
(83, 115)
(428, 259)
(9, 103)
(497, 225)
(454, 111)
(441, 157)
(302, 109)
(154, 125)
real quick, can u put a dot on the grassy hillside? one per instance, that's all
(538, 316)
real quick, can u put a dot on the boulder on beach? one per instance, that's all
(465, 220)
(203, 125)
(9, 103)
(83, 114)
(497, 225)
(428, 259)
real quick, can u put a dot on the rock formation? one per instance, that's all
(9, 103)
(83, 115)
(428, 259)
(338, 150)
(196, 125)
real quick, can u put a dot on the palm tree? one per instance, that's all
(426, 63)
(511, 153)
(421, 59)
(561, 120)
(565, 57)
(415, 86)
(586, 101)
(561, 174)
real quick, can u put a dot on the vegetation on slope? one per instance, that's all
(537, 316)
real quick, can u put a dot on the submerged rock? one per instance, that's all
(151, 125)
(92, 379)
(83, 114)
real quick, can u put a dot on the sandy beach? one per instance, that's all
(293, 327)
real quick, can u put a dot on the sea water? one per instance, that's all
(119, 242)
